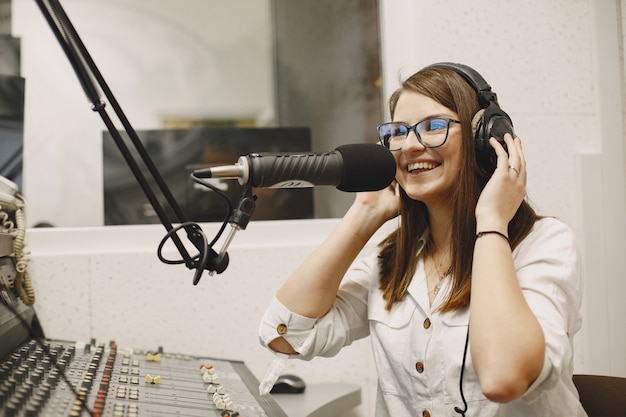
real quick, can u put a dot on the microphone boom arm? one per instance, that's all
(91, 81)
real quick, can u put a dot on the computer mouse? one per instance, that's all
(288, 384)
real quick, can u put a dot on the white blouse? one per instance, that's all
(419, 351)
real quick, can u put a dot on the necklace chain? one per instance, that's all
(440, 275)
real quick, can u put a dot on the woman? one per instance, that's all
(473, 302)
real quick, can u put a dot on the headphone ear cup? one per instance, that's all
(477, 130)
(492, 122)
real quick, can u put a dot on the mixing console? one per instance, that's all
(72, 379)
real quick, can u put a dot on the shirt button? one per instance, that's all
(425, 413)
(419, 366)
(281, 329)
(427, 323)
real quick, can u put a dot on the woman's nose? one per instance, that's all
(412, 142)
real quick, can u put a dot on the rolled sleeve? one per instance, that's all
(279, 321)
(325, 336)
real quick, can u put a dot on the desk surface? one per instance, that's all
(320, 400)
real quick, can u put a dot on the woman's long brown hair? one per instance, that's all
(399, 251)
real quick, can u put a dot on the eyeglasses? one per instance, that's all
(431, 133)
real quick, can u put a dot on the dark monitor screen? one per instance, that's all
(11, 127)
(178, 152)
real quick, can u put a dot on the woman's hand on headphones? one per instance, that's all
(506, 189)
(383, 205)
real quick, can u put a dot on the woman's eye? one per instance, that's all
(435, 124)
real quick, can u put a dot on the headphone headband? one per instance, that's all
(473, 78)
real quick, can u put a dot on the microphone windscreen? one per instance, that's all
(366, 167)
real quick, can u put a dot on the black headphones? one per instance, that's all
(490, 121)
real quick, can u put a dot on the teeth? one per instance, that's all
(421, 166)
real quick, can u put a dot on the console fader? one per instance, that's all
(116, 382)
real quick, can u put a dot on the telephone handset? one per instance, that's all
(8, 192)
(14, 276)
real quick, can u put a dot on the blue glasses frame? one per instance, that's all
(431, 132)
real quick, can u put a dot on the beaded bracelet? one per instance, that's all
(495, 232)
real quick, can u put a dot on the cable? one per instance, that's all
(207, 257)
(457, 409)
(168, 236)
(23, 283)
(229, 205)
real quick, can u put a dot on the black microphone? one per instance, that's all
(352, 168)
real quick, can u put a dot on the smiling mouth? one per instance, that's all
(421, 166)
